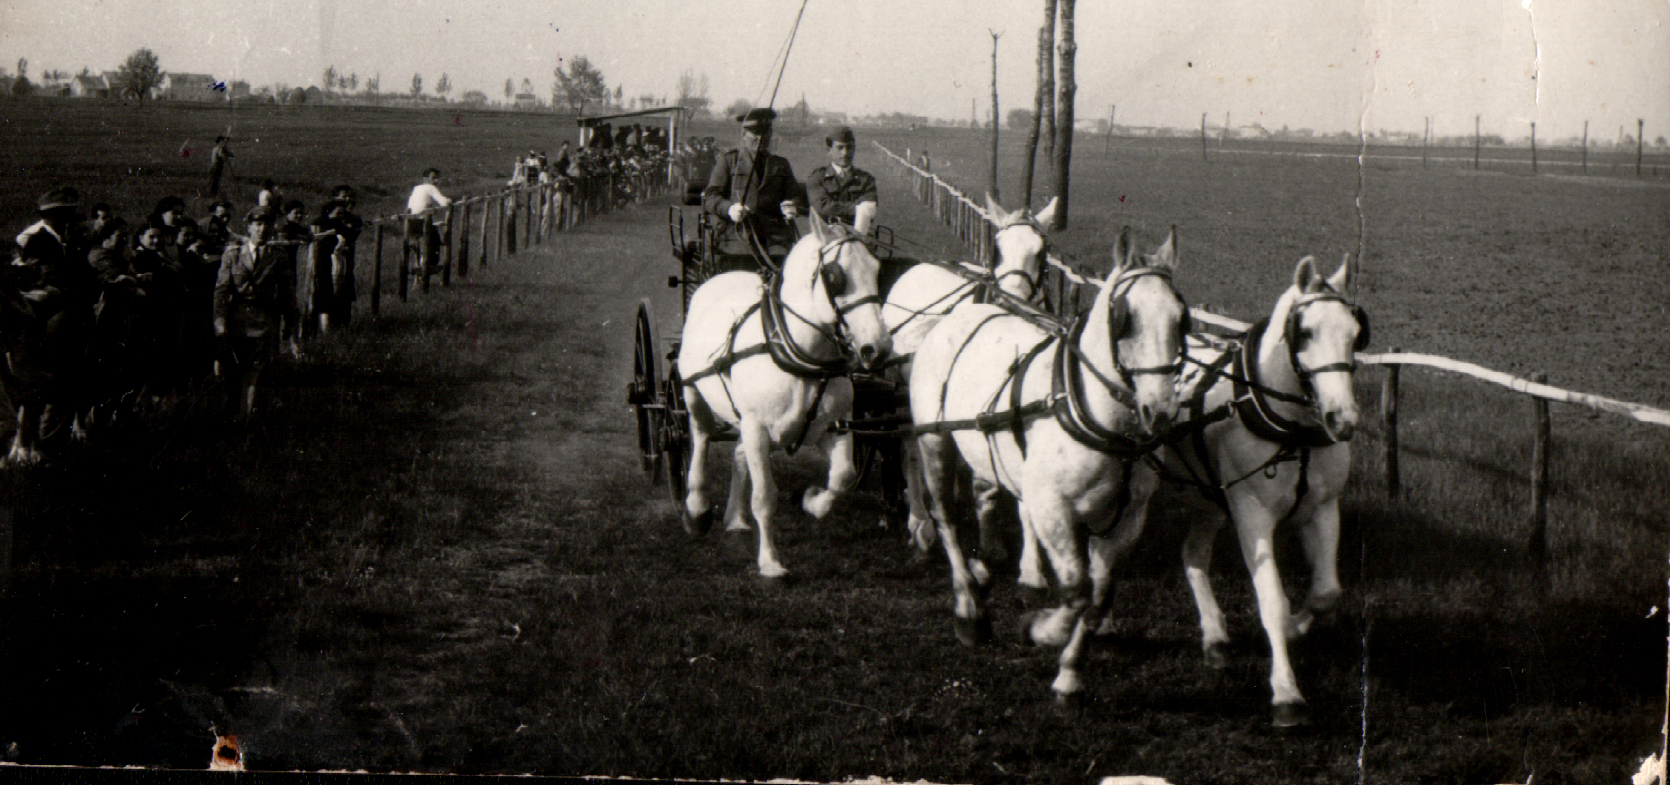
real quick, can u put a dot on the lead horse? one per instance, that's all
(768, 357)
(1064, 435)
(1267, 439)
(927, 293)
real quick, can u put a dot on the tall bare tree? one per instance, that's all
(443, 86)
(1064, 115)
(692, 93)
(417, 85)
(1043, 103)
(991, 174)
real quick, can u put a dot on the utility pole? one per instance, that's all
(991, 175)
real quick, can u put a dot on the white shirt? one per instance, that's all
(425, 196)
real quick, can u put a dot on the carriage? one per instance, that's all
(656, 393)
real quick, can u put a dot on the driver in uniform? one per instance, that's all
(840, 191)
(766, 199)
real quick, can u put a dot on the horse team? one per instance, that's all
(1075, 423)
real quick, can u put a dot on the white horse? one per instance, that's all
(1060, 421)
(1275, 420)
(768, 357)
(926, 293)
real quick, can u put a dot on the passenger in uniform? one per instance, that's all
(840, 191)
(765, 199)
(254, 288)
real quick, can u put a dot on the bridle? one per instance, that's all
(1119, 318)
(1294, 337)
(1033, 280)
(834, 279)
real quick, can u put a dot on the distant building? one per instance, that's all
(526, 101)
(187, 87)
(88, 86)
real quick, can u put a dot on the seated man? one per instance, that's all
(840, 191)
(751, 189)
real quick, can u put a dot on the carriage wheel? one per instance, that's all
(641, 394)
(675, 452)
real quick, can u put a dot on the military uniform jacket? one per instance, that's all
(254, 285)
(834, 196)
(729, 184)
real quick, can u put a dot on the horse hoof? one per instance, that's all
(1217, 656)
(699, 524)
(1069, 704)
(974, 632)
(1023, 627)
(1034, 597)
(781, 580)
(1290, 715)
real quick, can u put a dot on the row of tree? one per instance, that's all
(138, 75)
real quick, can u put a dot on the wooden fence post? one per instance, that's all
(499, 232)
(1585, 146)
(1533, 148)
(405, 256)
(486, 214)
(1538, 544)
(515, 200)
(463, 240)
(1388, 424)
(426, 249)
(446, 258)
(377, 269)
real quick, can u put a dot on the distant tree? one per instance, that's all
(373, 83)
(473, 97)
(509, 89)
(330, 78)
(23, 68)
(1019, 119)
(417, 85)
(21, 86)
(645, 101)
(527, 86)
(139, 74)
(443, 85)
(738, 107)
(617, 95)
(692, 93)
(353, 82)
(581, 84)
(296, 96)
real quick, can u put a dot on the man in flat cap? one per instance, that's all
(256, 286)
(840, 191)
(751, 188)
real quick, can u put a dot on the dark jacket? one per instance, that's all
(730, 183)
(834, 197)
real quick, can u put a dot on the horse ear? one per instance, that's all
(994, 211)
(1167, 255)
(1123, 250)
(1342, 277)
(819, 230)
(1047, 215)
(1305, 277)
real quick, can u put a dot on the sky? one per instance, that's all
(1328, 66)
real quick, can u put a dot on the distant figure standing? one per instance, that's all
(219, 159)
(427, 196)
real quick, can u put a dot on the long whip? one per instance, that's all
(762, 152)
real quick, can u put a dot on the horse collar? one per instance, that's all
(1072, 410)
(1254, 407)
(788, 355)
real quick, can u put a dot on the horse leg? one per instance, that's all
(842, 473)
(919, 524)
(988, 510)
(1320, 537)
(1197, 563)
(1106, 552)
(972, 626)
(1057, 533)
(26, 442)
(696, 503)
(1254, 526)
(736, 506)
(1035, 590)
(756, 444)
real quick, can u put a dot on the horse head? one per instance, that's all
(835, 277)
(1021, 245)
(1146, 322)
(1323, 330)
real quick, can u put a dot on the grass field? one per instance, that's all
(435, 551)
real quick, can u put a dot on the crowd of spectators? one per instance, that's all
(112, 308)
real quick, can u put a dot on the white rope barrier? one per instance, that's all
(1637, 411)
